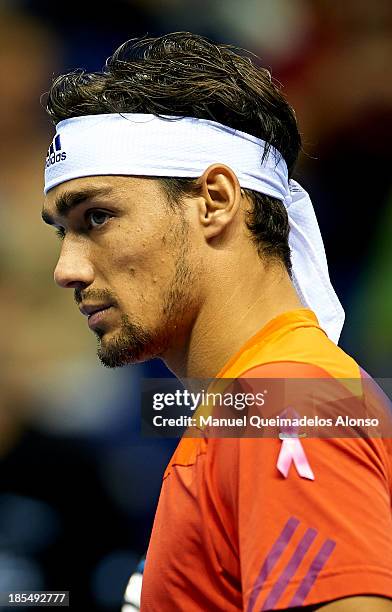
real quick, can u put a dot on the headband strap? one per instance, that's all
(146, 145)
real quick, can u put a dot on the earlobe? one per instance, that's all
(214, 225)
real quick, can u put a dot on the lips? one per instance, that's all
(89, 309)
(97, 318)
(96, 313)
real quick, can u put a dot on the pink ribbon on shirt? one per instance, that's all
(292, 451)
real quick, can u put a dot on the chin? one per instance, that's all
(132, 343)
(117, 351)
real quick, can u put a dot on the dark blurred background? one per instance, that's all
(78, 485)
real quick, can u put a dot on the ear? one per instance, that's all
(220, 199)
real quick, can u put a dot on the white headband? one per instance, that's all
(145, 145)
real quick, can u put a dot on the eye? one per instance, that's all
(95, 218)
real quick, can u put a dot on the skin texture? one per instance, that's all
(178, 279)
(131, 255)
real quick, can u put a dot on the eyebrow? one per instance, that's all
(69, 200)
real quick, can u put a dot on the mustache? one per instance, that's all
(97, 295)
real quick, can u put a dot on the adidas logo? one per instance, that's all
(54, 153)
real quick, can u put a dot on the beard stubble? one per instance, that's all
(135, 343)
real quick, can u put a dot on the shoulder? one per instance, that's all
(285, 369)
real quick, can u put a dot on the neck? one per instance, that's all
(229, 317)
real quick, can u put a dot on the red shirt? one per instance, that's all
(231, 533)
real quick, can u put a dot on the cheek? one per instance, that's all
(141, 265)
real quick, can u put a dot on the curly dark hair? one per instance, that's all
(185, 74)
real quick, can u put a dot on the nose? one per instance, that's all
(73, 269)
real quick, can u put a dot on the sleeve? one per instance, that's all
(304, 541)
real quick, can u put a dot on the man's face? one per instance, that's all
(127, 257)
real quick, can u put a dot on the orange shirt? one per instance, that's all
(231, 533)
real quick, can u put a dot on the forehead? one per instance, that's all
(92, 184)
(61, 199)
